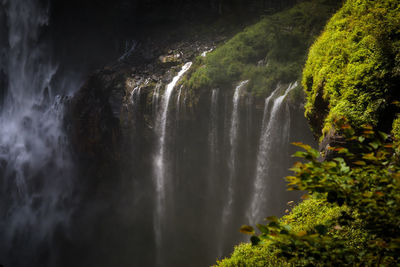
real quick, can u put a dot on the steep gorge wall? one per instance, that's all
(113, 126)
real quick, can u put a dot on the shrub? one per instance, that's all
(363, 184)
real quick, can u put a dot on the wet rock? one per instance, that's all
(106, 122)
(170, 59)
(331, 139)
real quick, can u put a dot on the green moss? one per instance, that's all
(353, 68)
(248, 255)
(396, 127)
(309, 213)
(303, 217)
(270, 51)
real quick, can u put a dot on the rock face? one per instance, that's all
(112, 124)
(94, 126)
(117, 99)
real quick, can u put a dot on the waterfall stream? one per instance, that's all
(35, 165)
(272, 134)
(156, 98)
(160, 168)
(233, 139)
(213, 138)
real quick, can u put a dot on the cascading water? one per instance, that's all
(233, 139)
(35, 167)
(160, 164)
(178, 100)
(249, 114)
(156, 98)
(213, 138)
(274, 132)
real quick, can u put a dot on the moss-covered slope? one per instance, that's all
(303, 217)
(353, 69)
(270, 51)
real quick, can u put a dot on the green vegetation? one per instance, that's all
(353, 69)
(353, 216)
(303, 217)
(271, 51)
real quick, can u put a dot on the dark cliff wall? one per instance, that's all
(89, 33)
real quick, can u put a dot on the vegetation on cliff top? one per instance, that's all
(271, 51)
(353, 69)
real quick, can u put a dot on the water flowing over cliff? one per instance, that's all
(160, 160)
(275, 133)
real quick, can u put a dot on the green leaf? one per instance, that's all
(383, 135)
(272, 219)
(264, 229)
(304, 146)
(273, 224)
(284, 232)
(300, 154)
(246, 229)
(374, 144)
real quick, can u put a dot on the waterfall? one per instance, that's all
(249, 114)
(156, 98)
(159, 161)
(233, 140)
(213, 138)
(35, 166)
(135, 95)
(178, 101)
(271, 135)
(204, 54)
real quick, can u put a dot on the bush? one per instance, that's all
(303, 217)
(363, 186)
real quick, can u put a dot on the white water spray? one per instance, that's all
(159, 162)
(156, 98)
(213, 137)
(233, 143)
(178, 101)
(271, 135)
(35, 166)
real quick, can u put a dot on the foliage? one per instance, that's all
(271, 51)
(353, 69)
(304, 216)
(248, 255)
(396, 127)
(363, 180)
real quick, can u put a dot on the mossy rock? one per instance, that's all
(353, 68)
